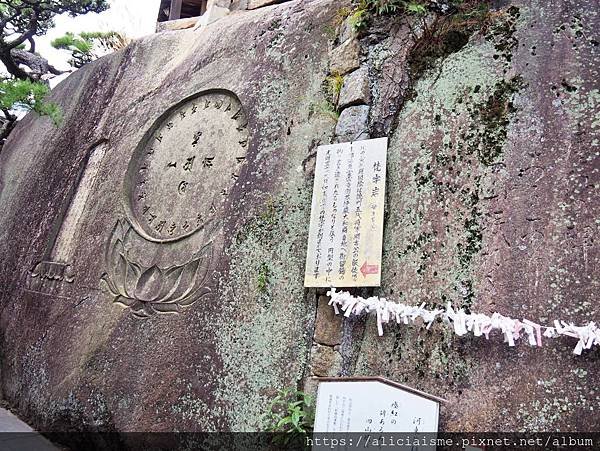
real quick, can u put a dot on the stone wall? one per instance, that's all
(492, 171)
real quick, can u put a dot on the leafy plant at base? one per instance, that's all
(291, 412)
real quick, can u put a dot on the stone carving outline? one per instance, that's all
(178, 180)
(151, 290)
(185, 166)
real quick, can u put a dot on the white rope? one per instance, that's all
(463, 323)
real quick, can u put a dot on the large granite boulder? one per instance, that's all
(153, 245)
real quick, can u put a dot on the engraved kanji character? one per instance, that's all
(170, 125)
(172, 228)
(219, 104)
(182, 187)
(240, 159)
(199, 220)
(185, 226)
(172, 164)
(160, 226)
(206, 104)
(145, 210)
(194, 108)
(159, 138)
(182, 114)
(197, 136)
(207, 162)
(151, 218)
(189, 164)
(243, 142)
(234, 176)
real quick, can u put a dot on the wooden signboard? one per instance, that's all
(346, 225)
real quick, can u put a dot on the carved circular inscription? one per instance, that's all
(186, 166)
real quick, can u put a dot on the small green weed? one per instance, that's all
(359, 19)
(325, 108)
(291, 412)
(263, 279)
(335, 82)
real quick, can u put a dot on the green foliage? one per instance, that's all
(27, 95)
(83, 45)
(264, 276)
(335, 82)
(413, 7)
(37, 15)
(325, 108)
(291, 412)
(359, 19)
(448, 34)
(340, 16)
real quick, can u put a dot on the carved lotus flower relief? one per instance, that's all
(153, 290)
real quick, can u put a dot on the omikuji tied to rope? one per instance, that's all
(462, 322)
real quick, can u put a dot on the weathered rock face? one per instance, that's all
(493, 204)
(153, 245)
(177, 175)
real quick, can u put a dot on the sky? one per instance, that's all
(133, 18)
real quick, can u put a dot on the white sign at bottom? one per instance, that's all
(373, 405)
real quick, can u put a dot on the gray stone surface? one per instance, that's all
(353, 124)
(310, 386)
(356, 89)
(192, 331)
(179, 24)
(328, 325)
(325, 361)
(16, 435)
(491, 204)
(347, 31)
(345, 57)
(253, 4)
(487, 209)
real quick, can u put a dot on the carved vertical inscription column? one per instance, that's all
(177, 184)
(49, 274)
(62, 250)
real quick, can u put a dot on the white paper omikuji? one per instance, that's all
(463, 323)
